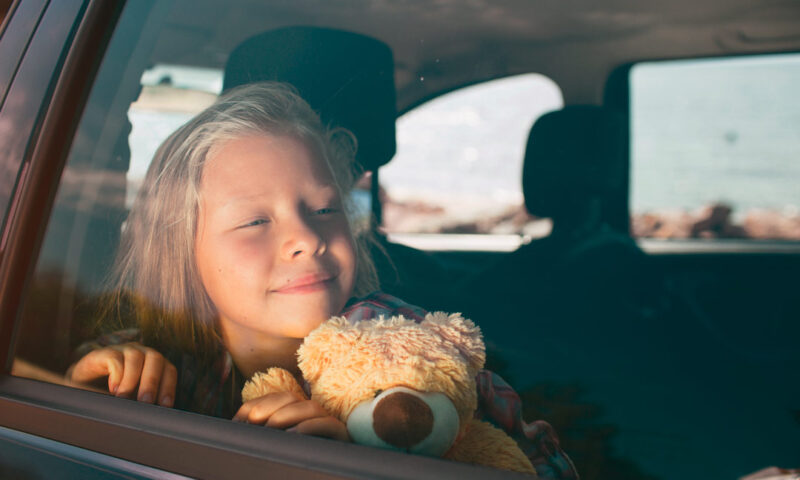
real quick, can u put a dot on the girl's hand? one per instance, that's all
(289, 412)
(127, 367)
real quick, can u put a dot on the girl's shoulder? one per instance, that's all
(379, 303)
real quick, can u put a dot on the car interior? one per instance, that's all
(651, 358)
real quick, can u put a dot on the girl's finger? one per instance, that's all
(132, 371)
(152, 370)
(294, 413)
(328, 427)
(99, 363)
(260, 410)
(113, 366)
(169, 381)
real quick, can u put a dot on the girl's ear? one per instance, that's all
(328, 342)
(460, 332)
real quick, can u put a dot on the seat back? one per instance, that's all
(589, 266)
(576, 166)
(346, 77)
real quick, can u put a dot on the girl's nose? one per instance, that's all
(301, 238)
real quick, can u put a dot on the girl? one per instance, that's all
(238, 245)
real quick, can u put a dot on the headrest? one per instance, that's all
(347, 78)
(573, 155)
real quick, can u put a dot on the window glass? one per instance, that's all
(68, 287)
(458, 166)
(170, 96)
(714, 148)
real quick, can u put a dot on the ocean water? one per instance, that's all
(716, 132)
(702, 132)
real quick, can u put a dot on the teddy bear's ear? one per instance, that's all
(462, 333)
(326, 342)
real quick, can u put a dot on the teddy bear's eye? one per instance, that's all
(377, 392)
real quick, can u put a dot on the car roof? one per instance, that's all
(445, 44)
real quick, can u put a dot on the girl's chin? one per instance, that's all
(315, 308)
(304, 322)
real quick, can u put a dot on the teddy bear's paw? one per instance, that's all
(484, 444)
(403, 419)
(273, 380)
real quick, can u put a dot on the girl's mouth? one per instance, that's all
(307, 284)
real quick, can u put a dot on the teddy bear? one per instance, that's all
(401, 384)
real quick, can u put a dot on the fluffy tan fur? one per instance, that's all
(272, 381)
(485, 444)
(346, 363)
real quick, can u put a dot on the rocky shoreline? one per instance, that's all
(711, 221)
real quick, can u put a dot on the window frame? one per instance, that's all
(15, 39)
(201, 446)
(60, 79)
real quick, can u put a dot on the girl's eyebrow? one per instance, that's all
(328, 190)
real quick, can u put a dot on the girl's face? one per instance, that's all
(273, 245)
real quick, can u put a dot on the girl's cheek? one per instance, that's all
(340, 233)
(251, 244)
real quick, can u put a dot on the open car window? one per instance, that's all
(471, 144)
(714, 149)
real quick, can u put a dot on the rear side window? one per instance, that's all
(458, 168)
(714, 148)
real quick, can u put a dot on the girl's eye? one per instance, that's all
(255, 223)
(324, 211)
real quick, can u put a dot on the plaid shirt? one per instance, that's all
(216, 389)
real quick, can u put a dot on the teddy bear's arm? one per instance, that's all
(272, 381)
(484, 444)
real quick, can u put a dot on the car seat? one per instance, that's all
(348, 79)
(575, 172)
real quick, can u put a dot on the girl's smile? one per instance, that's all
(307, 283)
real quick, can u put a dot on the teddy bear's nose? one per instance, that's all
(402, 419)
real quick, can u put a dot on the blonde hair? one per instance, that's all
(155, 272)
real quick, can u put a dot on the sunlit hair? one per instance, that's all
(156, 274)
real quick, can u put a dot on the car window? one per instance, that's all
(133, 105)
(470, 143)
(714, 148)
